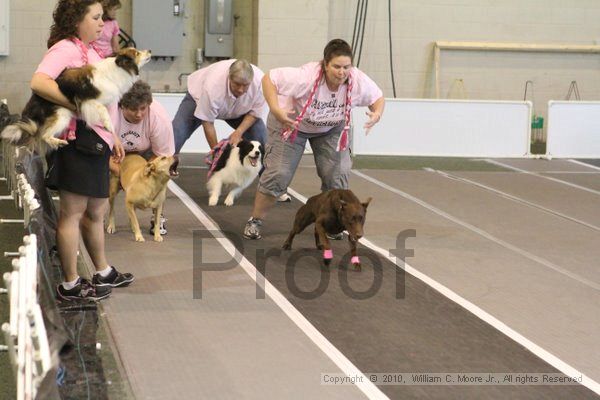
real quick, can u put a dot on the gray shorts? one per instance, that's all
(282, 159)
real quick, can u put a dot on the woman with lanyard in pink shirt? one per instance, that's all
(81, 179)
(321, 95)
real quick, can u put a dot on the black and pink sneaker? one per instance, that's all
(83, 290)
(114, 279)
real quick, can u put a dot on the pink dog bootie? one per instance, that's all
(356, 263)
(327, 256)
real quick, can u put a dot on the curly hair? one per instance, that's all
(67, 14)
(107, 5)
(140, 94)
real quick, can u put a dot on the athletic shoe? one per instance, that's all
(335, 236)
(252, 228)
(83, 290)
(114, 279)
(162, 229)
(284, 198)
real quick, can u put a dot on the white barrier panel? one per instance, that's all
(573, 129)
(448, 128)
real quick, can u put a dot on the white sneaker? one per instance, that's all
(162, 228)
(252, 229)
(284, 198)
(335, 236)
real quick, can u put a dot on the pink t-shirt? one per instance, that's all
(154, 131)
(103, 43)
(210, 89)
(65, 54)
(327, 107)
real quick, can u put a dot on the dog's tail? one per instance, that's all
(21, 132)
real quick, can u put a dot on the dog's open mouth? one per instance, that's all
(253, 160)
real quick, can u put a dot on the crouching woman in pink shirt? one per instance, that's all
(313, 103)
(144, 127)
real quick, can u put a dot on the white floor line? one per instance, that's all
(545, 355)
(542, 176)
(513, 198)
(573, 172)
(584, 164)
(370, 390)
(206, 167)
(483, 233)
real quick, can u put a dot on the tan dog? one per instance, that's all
(145, 185)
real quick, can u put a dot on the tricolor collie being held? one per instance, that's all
(237, 167)
(90, 88)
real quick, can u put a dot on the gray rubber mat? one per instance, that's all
(524, 227)
(405, 326)
(520, 292)
(226, 344)
(554, 196)
(587, 180)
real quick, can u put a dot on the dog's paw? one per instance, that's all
(111, 229)
(158, 238)
(139, 238)
(356, 263)
(229, 201)
(55, 143)
(286, 246)
(327, 256)
(213, 201)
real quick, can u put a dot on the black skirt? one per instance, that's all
(80, 173)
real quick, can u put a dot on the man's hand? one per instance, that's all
(374, 118)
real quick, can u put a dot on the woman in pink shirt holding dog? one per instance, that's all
(81, 179)
(313, 103)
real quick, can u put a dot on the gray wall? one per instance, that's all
(416, 24)
(275, 33)
(30, 22)
(486, 75)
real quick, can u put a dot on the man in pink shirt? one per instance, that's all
(143, 126)
(229, 90)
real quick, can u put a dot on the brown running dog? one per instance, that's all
(332, 212)
(145, 185)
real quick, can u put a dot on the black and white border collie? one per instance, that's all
(237, 167)
(91, 88)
